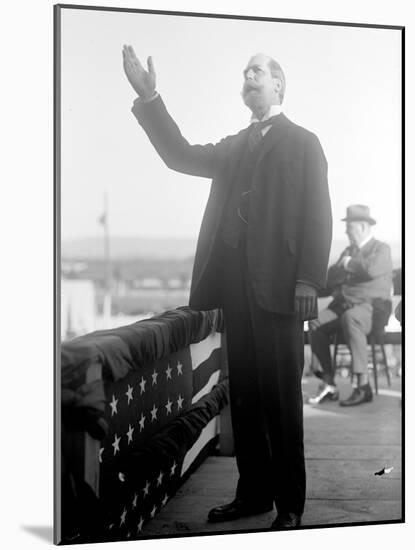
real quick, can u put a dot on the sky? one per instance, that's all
(343, 83)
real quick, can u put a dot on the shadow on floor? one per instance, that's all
(44, 532)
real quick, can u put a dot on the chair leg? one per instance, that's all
(375, 367)
(385, 361)
(333, 361)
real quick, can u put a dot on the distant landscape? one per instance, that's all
(130, 248)
(147, 276)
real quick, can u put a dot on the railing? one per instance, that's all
(140, 410)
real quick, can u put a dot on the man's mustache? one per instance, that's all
(249, 87)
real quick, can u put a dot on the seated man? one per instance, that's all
(362, 274)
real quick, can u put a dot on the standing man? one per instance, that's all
(360, 279)
(262, 254)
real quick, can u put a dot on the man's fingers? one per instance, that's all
(304, 306)
(131, 52)
(127, 53)
(134, 58)
(150, 66)
(131, 56)
(310, 306)
(299, 307)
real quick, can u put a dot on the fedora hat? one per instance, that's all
(358, 213)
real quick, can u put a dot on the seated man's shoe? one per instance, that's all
(325, 393)
(238, 508)
(360, 395)
(286, 520)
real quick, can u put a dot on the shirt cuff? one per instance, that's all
(139, 100)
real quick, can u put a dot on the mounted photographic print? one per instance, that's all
(228, 237)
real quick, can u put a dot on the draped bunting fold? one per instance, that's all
(133, 389)
(130, 347)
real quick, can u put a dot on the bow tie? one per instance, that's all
(255, 134)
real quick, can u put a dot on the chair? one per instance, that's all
(381, 312)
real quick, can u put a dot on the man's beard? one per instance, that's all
(254, 97)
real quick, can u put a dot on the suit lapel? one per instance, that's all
(235, 156)
(368, 246)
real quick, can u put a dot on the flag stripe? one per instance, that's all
(214, 378)
(201, 351)
(202, 374)
(208, 433)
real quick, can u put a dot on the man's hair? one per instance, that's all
(277, 72)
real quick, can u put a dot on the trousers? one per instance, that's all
(355, 323)
(265, 365)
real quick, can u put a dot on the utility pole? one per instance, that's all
(107, 265)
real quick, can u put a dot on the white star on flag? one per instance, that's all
(180, 402)
(129, 394)
(140, 525)
(130, 433)
(179, 368)
(100, 454)
(168, 406)
(154, 412)
(135, 500)
(173, 468)
(123, 515)
(159, 479)
(116, 444)
(153, 511)
(165, 499)
(154, 377)
(146, 488)
(168, 372)
(142, 385)
(141, 422)
(113, 405)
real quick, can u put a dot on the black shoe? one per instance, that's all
(325, 393)
(360, 395)
(238, 508)
(287, 520)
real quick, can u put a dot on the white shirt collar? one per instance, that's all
(274, 110)
(365, 241)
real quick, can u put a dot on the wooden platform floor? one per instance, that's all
(344, 449)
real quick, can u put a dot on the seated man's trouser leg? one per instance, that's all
(266, 357)
(322, 364)
(356, 323)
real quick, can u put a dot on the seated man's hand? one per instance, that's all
(313, 324)
(325, 316)
(143, 82)
(305, 301)
(344, 261)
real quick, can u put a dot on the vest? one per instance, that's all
(233, 226)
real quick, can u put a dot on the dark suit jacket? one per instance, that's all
(290, 224)
(368, 275)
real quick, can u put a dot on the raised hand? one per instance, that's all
(143, 82)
